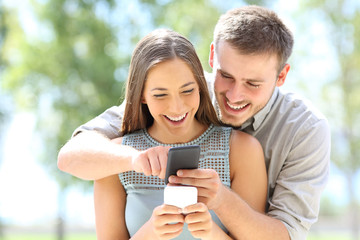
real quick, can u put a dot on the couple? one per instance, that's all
(167, 103)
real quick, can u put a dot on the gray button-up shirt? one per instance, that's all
(296, 141)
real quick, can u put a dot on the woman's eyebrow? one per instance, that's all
(158, 89)
(164, 89)
(187, 84)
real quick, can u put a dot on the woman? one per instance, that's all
(167, 104)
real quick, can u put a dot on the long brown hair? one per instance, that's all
(159, 46)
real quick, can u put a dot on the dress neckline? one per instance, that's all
(192, 142)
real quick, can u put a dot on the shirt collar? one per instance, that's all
(259, 117)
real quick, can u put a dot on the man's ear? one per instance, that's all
(282, 76)
(211, 55)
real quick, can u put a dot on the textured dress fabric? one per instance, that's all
(144, 193)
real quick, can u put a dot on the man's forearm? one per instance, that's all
(245, 223)
(91, 156)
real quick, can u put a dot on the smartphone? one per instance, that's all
(184, 157)
(180, 196)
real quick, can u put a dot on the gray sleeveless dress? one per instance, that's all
(144, 193)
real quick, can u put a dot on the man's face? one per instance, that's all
(243, 83)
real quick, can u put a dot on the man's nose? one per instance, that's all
(235, 93)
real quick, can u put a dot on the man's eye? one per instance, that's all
(225, 76)
(253, 85)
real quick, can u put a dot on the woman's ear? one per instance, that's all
(143, 101)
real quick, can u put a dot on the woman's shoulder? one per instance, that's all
(243, 140)
(244, 145)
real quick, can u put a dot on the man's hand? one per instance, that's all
(207, 182)
(151, 161)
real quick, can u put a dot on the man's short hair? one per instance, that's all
(255, 30)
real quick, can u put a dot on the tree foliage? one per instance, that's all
(342, 93)
(72, 65)
(342, 19)
(64, 74)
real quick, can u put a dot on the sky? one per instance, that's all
(28, 195)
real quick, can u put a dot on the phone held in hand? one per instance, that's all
(184, 157)
(180, 196)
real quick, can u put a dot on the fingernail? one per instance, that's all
(180, 173)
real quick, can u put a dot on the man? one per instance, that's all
(248, 56)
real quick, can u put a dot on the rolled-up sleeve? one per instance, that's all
(108, 123)
(302, 179)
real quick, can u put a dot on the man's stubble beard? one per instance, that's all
(220, 117)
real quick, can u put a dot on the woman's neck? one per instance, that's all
(161, 134)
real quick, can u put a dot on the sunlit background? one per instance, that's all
(62, 62)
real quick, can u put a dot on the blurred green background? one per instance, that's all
(62, 62)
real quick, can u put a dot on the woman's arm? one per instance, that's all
(110, 200)
(247, 170)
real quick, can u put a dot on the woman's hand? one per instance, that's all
(166, 222)
(207, 181)
(199, 221)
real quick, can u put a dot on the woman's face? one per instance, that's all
(172, 96)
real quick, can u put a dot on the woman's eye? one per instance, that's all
(188, 91)
(159, 95)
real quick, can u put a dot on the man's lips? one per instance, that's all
(237, 106)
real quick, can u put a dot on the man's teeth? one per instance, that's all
(176, 119)
(236, 107)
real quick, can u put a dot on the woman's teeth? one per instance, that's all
(176, 119)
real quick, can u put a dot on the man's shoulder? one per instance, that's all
(293, 105)
(292, 113)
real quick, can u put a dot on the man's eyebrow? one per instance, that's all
(224, 72)
(245, 79)
(164, 89)
(253, 80)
